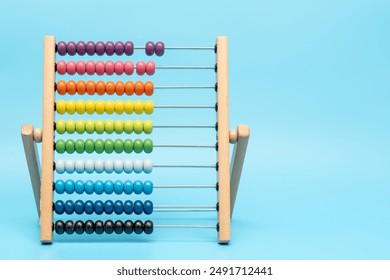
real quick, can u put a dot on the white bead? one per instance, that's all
(60, 166)
(148, 166)
(99, 166)
(79, 166)
(118, 166)
(128, 166)
(89, 166)
(69, 166)
(109, 166)
(138, 166)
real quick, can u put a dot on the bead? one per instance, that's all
(128, 227)
(149, 48)
(79, 166)
(137, 187)
(69, 227)
(128, 126)
(108, 146)
(148, 227)
(80, 106)
(109, 126)
(69, 166)
(99, 187)
(80, 126)
(59, 207)
(148, 166)
(118, 187)
(148, 146)
(69, 207)
(140, 68)
(89, 146)
(148, 207)
(99, 127)
(128, 207)
(60, 186)
(150, 68)
(118, 227)
(119, 48)
(59, 227)
(89, 187)
(71, 87)
(129, 68)
(79, 207)
(148, 126)
(80, 67)
(110, 88)
(81, 87)
(88, 207)
(89, 227)
(99, 227)
(61, 48)
(90, 67)
(128, 146)
(110, 106)
(90, 126)
(89, 166)
(61, 107)
(79, 227)
(90, 48)
(118, 148)
(79, 146)
(99, 165)
(100, 48)
(120, 88)
(129, 88)
(100, 106)
(159, 48)
(79, 187)
(69, 186)
(137, 166)
(110, 67)
(90, 107)
(109, 166)
(128, 166)
(71, 67)
(99, 68)
(118, 207)
(99, 146)
(60, 166)
(138, 107)
(138, 227)
(108, 227)
(99, 207)
(61, 67)
(139, 88)
(129, 107)
(108, 187)
(61, 87)
(119, 67)
(70, 107)
(69, 146)
(91, 87)
(108, 207)
(71, 48)
(119, 106)
(129, 48)
(148, 187)
(149, 88)
(138, 126)
(128, 187)
(60, 146)
(61, 126)
(110, 48)
(138, 146)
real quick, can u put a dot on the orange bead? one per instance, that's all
(81, 87)
(120, 88)
(71, 87)
(129, 88)
(100, 88)
(149, 88)
(61, 87)
(139, 88)
(91, 87)
(110, 88)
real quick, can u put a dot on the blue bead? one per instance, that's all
(79, 207)
(148, 187)
(138, 186)
(59, 207)
(128, 187)
(99, 187)
(79, 187)
(148, 207)
(138, 207)
(118, 187)
(69, 207)
(69, 186)
(99, 207)
(128, 207)
(88, 207)
(118, 207)
(109, 187)
(89, 187)
(60, 186)
(108, 207)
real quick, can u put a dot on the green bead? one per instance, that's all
(138, 126)
(90, 126)
(118, 126)
(70, 126)
(80, 126)
(148, 126)
(148, 146)
(60, 146)
(99, 126)
(69, 146)
(128, 146)
(138, 146)
(99, 146)
(128, 126)
(60, 126)
(89, 146)
(109, 126)
(109, 146)
(79, 146)
(118, 146)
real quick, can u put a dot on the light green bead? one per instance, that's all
(138, 146)
(79, 146)
(118, 126)
(108, 146)
(128, 126)
(70, 126)
(99, 126)
(61, 126)
(90, 126)
(69, 146)
(89, 146)
(60, 146)
(148, 126)
(109, 126)
(128, 146)
(118, 146)
(148, 146)
(99, 146)
(80, 126)
(138, 127)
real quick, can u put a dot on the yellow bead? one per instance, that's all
(99, 107)
(138, 126)
(128, 126)
(99, 127)
(109, 126)
(80, 126)
(90, 126)
(119, 106)
(129, 107)
(138, 107)
(61, 107)
(110, 106)
(70, 126)
(70, 107)
(118, 126)
(80, 106)
(90, 107)
(61, 126)
(148, 126)
(148, 107)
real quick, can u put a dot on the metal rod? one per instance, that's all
(182, 146)
(184, 210)
(185, 165)
(184, 187)
(185, 87)
(179, 48)
(183, 126)
(184, 226)
(184, 106)
(184, 67)
(184, 207)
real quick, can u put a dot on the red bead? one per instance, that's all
(129, 68)
(110, 67)
(71, 68)
(150, 68)
(119, 68)
(90, 67)
(99, 68)
(80, 67)
(61, 67)
(140, 68)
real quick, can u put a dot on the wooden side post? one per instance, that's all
(223, 140)
(47, 139)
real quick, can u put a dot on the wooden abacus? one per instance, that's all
(43, 184)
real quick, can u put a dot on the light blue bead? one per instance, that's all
(79, 207)
(118, 187)
(118, 207)
(79, 187)
(108, 187)
(108, 207)
(69, 207)
(128, 207)
(69, 186)
(138, 207)
(89, 187)
(60, 186)
(148, 207)
(148, 187)
(138, 187)
(128, 187)
(59, 207)
(99, 207)
(99, 187)
(88, 207)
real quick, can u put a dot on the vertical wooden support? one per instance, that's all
(47, 140)
(223, 140)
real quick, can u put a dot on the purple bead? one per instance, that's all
(119, 48)
(159, 48)
(61, 48)
(129, 48)
(110, 48)
(99, 48)
(90, 48)
(149, 48)
(71, 48)
(81, 48)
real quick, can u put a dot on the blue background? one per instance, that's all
(311, 78)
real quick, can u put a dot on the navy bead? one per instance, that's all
(79, 207)
(148, 207)
(69, 186)
(128, 227)
(71, 48)
(109, 227)
(138, 227)
(59, 227)
(118, 207)
(118, 187)
(79, 227)
(79, 187)
(138, 187)
(128, 207)
(99, 187)
(81, 49)
(108, 207)
(69, 207)
(110, 48)
(69, 227)
(90, 48)
(148, 187)
(129, 48)
(138, 207)
(61, 48)
(108, 187)
(128, 187)
(148, 227)
(118, 227)
(88, 207)
(60, 186)
(99, 207)
(89, 187)
(89, 227)
(99, 227)
(59, 207)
